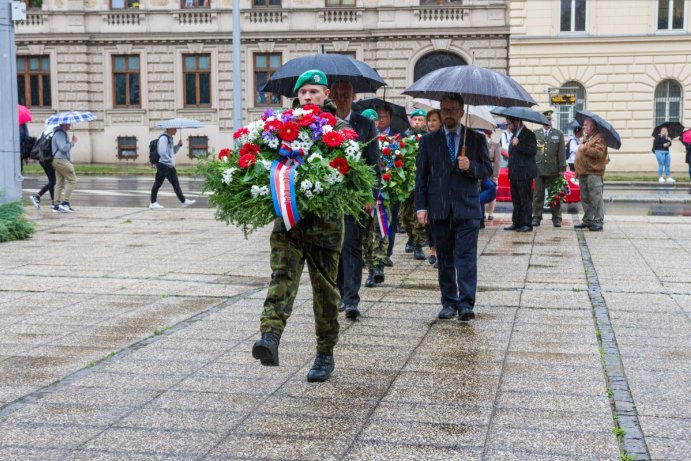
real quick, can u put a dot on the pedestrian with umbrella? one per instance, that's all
(662, 140)
(165, 163)
(62, 144)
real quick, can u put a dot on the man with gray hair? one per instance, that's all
(590, 163)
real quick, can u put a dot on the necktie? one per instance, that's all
(452, 148)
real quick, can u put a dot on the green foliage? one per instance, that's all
(557, 192)
(160, 331)
(13, 223)
(619, 432)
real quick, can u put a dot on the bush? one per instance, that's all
(13, 223)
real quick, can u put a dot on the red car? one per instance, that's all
(504, 189)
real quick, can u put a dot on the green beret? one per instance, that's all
(419, 113)
(370, 114)
(313, 77)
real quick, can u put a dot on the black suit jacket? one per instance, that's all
(367, 133)
(443, 189)
(522, 164)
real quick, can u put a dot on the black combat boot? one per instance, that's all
(321, 369)
(418, 253)
(409, 246)
(369, 283)
(378, 274)
(266, 349)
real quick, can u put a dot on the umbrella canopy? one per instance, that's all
(179, 123)
(24, 114)
(673, 128)
(477, 85)
(521, 113)
(70, 118)
(686, 136)
(399, 119)
(336, 67)
(573, 125)
(603, 126)
(476, 117)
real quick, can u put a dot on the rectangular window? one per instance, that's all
(266, 3)
(126, 90)
(33, 4)
(340, 2)
(123, 4)
(265, 64)
(670, 14)
(196, 70)
(198, 146)
(127, 147)
(33, 81)
(573, 15)
(194, 3)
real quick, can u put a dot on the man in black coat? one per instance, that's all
(450, 163)
(522, 171)
(350, 265)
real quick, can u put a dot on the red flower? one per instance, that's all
(386, 177)
(401, 144)
(349, 134)
(225, 152)
(273, 125)
(340, 164)
(398, 164)
(289, 131)
(382, 137)
(249, 149)
(562, 194)
(386, 151)
(307, 120)
(333, 139)
(315, 109)
(241, 132)
(330, 119)
(246, 160)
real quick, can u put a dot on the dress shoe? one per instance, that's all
(418, 253)
(511, 227)
(556, 222)
(524, 229)
(482, 223)
(409, 247)
(596, 228)
(436, 264)
(447, 312)
(581, 226)
(378, 274)
(536, 222)
(369, 283)
(341, 307)
(265, 349)
(432, 259)
(465, 314)
(321, 369)
(352, 312)
(387, 262)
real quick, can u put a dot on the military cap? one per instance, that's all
(370, 114)
(418, 113)
(313, 77)
(548, 112)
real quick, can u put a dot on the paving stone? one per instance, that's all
(186, 442)
(602, 445)
(366, 451)
(418, 433)
(276, 448)
(44, 436)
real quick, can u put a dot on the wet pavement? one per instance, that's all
(126, 333)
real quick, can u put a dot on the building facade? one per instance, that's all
(137, 62)
(627, 61)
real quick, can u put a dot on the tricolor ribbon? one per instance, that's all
(282, 181)
(380, 212)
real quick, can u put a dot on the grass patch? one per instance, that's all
(13, 223)
(637, 178)
(160, 331)
(111, 170)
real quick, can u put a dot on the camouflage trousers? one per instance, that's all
(592, 199)
(542, 183)
(417, 233)
(374, 246)
(318, 243)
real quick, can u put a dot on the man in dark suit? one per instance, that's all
(522, 171)
(450, 163)
(350, 265)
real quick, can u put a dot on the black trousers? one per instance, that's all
(50, 172)
(522, 201)
(164, 172)
(393, 227)
(349, 278)
(456, 244)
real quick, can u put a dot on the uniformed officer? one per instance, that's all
(419, 122)
(551, 163)
(317, 241)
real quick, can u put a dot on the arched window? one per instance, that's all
(668, 98)
(565, 114)
(436, 60)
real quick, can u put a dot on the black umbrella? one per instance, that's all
(399, 118)
(521, 113)
(336, 67)
(603, 126)
(673, 128)
(477, 85)
(573, 125)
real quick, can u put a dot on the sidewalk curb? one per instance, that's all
(640, 199)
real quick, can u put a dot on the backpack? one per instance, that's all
(154, 156)
(26, 147)
(43, 149)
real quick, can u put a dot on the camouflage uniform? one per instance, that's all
(374, 245)
(417, 233)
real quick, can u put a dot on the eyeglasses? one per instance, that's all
(447, 110)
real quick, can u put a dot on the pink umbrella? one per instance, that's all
(24, 114)
(686, 136)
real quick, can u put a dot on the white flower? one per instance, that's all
(318, 189)
(308, 193)
(327, 128)
(265, 163)
(398, 152)
(352, 150)
(306, 185)
(273, 144)
(228, 175)
(256, 191)
(298, 112)
(334, 177)
(314, 158)
(304, 135)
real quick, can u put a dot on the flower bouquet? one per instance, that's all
(398, 166)
(557, 192)
(289, 164)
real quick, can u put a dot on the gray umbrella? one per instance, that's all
(521, 113)
(573, 125)
(603, 126)
(477, 85)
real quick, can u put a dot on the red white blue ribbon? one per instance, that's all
(282, 181)
(380, 212)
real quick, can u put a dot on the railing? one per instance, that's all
(265, 16)
(195, 17)
(33, 19)
(345, 15)
(443, 14)
(123, 18)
